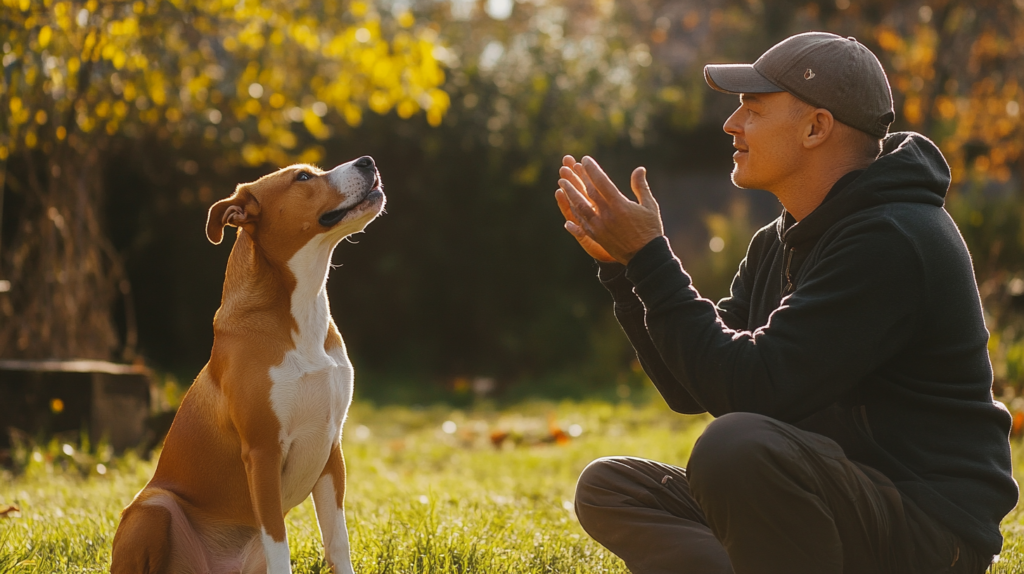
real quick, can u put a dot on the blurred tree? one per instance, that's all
(251, 81)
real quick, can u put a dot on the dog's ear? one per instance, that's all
(238, 210)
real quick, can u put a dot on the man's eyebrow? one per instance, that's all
(749, 98)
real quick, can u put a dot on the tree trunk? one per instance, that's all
(65, 275)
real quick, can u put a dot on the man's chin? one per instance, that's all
(740, 179)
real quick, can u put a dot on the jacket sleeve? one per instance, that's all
(629, 312)
(851, 312)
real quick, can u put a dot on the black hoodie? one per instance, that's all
(861, 322)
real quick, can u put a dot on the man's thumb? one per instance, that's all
(641, 189)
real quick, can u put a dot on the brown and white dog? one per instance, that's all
(260, 428)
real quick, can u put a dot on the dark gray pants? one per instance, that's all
(762, 497)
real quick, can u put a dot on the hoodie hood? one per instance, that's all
(910, 169)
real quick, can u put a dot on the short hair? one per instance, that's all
(865, 145)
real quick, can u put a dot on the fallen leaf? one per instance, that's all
(10, 511)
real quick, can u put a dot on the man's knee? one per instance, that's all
(596, 487)
(596, 480)
(730, 454)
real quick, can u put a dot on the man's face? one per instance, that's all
(766, 131)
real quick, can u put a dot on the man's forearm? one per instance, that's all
(629, 312)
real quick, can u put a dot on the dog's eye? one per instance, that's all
(303, 176)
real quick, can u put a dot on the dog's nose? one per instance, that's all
(365, 162)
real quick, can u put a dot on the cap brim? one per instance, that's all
(738, 79)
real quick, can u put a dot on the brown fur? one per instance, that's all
(221, 462)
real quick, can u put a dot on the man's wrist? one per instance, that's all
(647, 249)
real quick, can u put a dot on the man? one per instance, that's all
(848, 370)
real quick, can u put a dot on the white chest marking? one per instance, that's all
(311, 388)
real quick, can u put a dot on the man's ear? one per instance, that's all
(820, 128)
(238, 210)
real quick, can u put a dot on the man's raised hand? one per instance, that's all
(592, 247)
(606, 217)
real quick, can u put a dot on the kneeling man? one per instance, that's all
(848, 372)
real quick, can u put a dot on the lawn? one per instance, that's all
(431, 490)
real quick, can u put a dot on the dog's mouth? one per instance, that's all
(333, 217)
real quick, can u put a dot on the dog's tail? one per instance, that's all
(155, 536)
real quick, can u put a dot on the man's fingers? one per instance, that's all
(563, 205)
(574, 230)
(580, 206)
(641, 189)
(595, 197)
(568, 173)
(568, 161)
(600, 179)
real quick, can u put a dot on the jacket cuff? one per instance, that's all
(655, 272)
(613, 276)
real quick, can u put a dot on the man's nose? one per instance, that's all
(732, 125)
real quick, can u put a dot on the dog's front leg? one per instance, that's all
(263, 470)
(329, 500)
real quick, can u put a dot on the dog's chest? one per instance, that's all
(310, 396)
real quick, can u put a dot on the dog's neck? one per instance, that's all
(291, 295)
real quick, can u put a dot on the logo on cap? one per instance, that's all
(808, 74)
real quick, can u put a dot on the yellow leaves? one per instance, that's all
(253, 154)
(304, 36)
(406, 108)
(946, 107)
(380, 102)
(3, 152)
(440, 101)
(265, 127)
(130, 93)
(315, 125)
(285, 139)
(312, 155)
(406, 19)
(353, 115)
(152, 72)
(45, 34)
(157, 93)
(912, 109)
(889, 40)
(89, 44)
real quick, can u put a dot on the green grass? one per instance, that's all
(420, 499)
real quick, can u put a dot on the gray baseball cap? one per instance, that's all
(822, 69)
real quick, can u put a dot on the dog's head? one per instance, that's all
(287, 209)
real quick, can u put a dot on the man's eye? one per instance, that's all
(303, 176)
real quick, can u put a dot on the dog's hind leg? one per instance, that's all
(329, 499)
(142, 543)
(156, 537)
